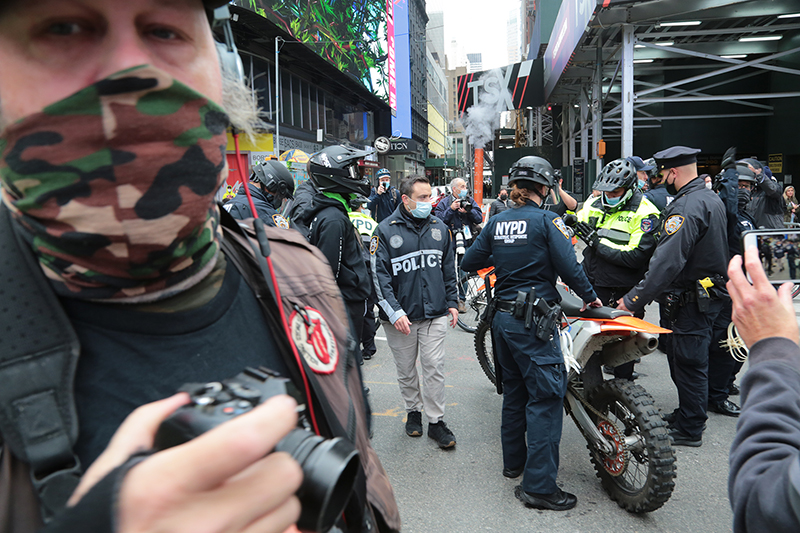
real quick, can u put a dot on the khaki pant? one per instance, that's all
(426, 342)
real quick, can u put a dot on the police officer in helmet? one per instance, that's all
(334, 173)
(530, 247)
(271, 184)
(619, 229)
(687, 275)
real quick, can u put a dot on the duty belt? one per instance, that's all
(506, 306)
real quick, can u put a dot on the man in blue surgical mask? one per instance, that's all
(415, 283)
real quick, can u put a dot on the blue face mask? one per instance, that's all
(422, 210)
(612, 201)
(641, 184)
(462, 194)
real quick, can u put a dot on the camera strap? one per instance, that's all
(39, 352)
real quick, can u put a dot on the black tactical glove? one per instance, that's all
(587, 234)
(729, 159)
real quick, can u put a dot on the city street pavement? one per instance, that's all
(463, 490)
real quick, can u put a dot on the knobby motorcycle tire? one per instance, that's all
(483, 350)
(632, 409)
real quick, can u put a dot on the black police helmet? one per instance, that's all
(529, 170)
(335, 169)
(616, 174)
(275, 177)
(745, 174)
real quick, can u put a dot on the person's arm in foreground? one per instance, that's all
(764, 477)
(225, 480)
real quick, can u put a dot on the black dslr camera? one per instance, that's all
(466, 203)
(330, 466)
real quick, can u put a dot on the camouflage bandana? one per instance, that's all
(113, 187)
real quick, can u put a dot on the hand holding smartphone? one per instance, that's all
(779, 252)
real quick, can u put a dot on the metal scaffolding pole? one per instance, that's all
(539, 133)
(627, 89)
(531, 113)
(565, 136)
(584, 115)
(597, 107)
(571, 120)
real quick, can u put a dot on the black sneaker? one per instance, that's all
(414, 424)
(442, 435)
(558, 501)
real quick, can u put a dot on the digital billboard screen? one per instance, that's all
(352, 35)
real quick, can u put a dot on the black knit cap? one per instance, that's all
(676, 156)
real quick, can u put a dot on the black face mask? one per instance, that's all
(503, 197)
(744, 198)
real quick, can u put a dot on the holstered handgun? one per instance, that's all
(519, 305)
(529, 308)
(549, 317)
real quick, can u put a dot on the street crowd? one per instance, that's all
(124, 281)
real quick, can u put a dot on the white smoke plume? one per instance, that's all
(483, 118)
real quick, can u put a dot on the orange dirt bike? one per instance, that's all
(628, 441)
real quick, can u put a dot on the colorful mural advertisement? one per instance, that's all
(354, 35)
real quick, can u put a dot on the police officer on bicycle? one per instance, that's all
(619, 229)
(530, 247)
(687, 276)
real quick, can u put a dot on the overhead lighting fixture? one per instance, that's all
(642, 60)
(684, 23)
(789, 16)
(761, 38)
(735, 56)
(665, 43)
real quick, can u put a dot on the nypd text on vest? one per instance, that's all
(510, 231)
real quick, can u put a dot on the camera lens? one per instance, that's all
(329, 468)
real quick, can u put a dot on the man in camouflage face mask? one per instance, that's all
(113, 147)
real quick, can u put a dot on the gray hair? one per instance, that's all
(455, 182)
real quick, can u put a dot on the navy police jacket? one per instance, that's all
(413, 267)
(529, 247)
(692, 245)
(239, 207)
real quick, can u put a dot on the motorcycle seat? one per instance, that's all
(571, 305)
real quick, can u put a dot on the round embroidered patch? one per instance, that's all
(673, 224)
(280, 221)
(649, 224)
(395, 241)
(314, 340)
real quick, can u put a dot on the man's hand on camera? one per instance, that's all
(587, 234)
(222, 481)
(133, 436)
(456, 205)
(759, 311)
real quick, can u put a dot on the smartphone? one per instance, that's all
(779, 250)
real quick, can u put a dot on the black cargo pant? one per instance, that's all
(721, 366)
(687, 353)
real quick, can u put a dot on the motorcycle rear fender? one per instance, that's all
(615, 339)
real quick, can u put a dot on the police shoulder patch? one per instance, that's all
(673, 224)
(395, 241)
(373, 244)
(649, 224)
(280, 221)
(559, 222)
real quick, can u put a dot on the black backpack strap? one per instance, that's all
(38, 355)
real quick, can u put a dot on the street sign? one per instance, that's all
(382, 145)
(775, 163)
